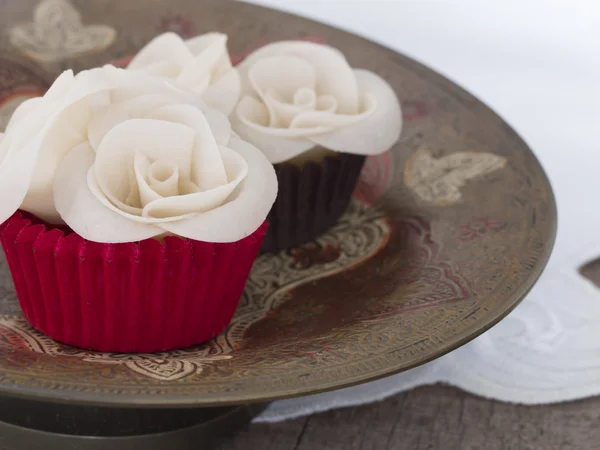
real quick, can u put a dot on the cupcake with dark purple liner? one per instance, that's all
(316, 119)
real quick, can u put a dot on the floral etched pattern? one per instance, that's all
(57, 33)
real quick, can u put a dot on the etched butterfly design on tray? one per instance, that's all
(439, 180)
(57, 33)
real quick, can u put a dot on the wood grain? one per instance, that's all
(432, 418)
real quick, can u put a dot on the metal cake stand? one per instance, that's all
(445, 236)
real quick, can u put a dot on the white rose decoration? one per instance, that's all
(35, 141)
(201, 64)
(298, 95)
(127, 156)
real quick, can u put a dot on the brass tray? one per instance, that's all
(446, 234)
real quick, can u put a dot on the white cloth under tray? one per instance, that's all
(537, 63)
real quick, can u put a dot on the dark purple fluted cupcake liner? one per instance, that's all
(311, 199)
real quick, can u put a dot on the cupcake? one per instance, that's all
(139, 215)
(316, 119)
(201, 64)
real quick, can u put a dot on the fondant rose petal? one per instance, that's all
(327, 103)
(245, 209)
(279, 78)
(66, 108)
(15, 172)
(274, 143)
(165, 47)
(84, 213)
(218, 122)
(99, 100)
(131, 84)
(141, 165)
(63, 129)
(204, 61)
(224, 93)
(119, 207)
(253, 113)
(208, 171)
(376, 133)
(283, 74)
(313, 119)
(153, 138)
(61, 138)
(23, 110)
(105, 118)
(132, 201)
(163, 177)
(88, 83)
(60, 86)
(4, 145)
(167, 69)
(199, 43)
(129, 202)
(334, 75)
(201, 202)
(282, 113)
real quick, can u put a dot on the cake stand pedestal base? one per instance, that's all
(32, 425)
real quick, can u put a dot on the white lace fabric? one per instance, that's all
(537, 64)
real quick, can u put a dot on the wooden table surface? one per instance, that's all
(435, 418)
(432, 418)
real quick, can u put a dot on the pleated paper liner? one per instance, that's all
(133, 297)
(312, 196)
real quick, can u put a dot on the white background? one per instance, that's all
(537, 63)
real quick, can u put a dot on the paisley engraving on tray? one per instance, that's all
(57, 33)
(167, 366)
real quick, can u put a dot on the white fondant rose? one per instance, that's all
(40, 132)
(122, 156)
(201, 64)
(298, 95)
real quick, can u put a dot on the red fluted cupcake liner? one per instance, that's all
(311, 199)
(136, 297)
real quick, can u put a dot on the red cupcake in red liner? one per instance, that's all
(141, 213)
